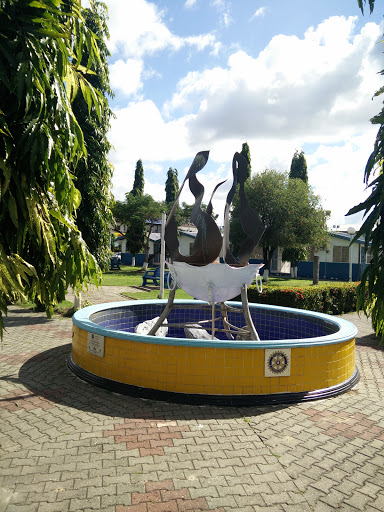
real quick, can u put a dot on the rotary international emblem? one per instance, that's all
(277, 362)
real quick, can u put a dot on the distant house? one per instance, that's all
(187, 235)
(277, 265)
(334, 260)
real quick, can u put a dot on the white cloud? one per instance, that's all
(259, 12)
(312, 90)
(139, 131)
(320, 85)
(137, 29)
(224, 9)
(337, 173)
(125, 76)
(190, 3)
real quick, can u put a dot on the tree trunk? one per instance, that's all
(133, 260)
(316, 269)
(146, 250)
(267, 256)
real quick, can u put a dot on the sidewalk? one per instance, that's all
(67, 446)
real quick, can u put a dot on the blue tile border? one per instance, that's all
(112, 314)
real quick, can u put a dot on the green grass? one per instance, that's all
(153, 294)
(133, 276)
(64, 308)
(126, 276)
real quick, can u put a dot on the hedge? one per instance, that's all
(330, 299)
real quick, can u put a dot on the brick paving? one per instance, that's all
(67, 446)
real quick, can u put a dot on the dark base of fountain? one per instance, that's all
(218, 400)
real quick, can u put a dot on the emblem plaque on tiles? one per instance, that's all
(277, 362)
(95, 344)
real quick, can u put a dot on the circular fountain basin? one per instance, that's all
(302, 355)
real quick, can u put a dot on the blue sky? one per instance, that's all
(192, 75)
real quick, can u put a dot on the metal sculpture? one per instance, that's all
(209, 242)
(197, 273)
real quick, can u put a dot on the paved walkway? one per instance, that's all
(105, 294)
(67, 446)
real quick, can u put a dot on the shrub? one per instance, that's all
(331, 299)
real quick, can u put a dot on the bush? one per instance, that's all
(330, 299)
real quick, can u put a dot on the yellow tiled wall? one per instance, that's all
(222, 371)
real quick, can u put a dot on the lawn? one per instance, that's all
(133, 276)
(286, 282)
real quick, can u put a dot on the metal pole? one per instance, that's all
(162, 256)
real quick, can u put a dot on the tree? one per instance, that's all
(139, 213)
(129, 212)
(171, 186)
(299, 167)
(94, 175)
(370, 292)
(41, 249)
(291, 212)
(138, 183)
(245, 152)
(298, 171)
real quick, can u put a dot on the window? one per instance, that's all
(340, 254)
(191, 247)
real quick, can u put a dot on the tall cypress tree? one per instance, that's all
(171, 186)
(138, 183)
(299, 166)
(245, 152)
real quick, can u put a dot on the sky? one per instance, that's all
(194, 75)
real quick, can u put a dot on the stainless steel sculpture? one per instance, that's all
(200, 274)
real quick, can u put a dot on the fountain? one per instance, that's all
(211, 349)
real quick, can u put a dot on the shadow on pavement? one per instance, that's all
(47, 375)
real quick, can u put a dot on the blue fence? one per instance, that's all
(126, 259)
(329, 271)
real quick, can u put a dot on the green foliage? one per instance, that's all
(370, 293)
(41, 249)
(330, 299)
(299, 167)
(371, 5)
(183, 213)
(291, 212)
(171, 186)
(94, 175)
(138, 183)
(294, 254)
(245, 152)
(135, 212)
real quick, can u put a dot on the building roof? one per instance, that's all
(190, 234)
(346, 236)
